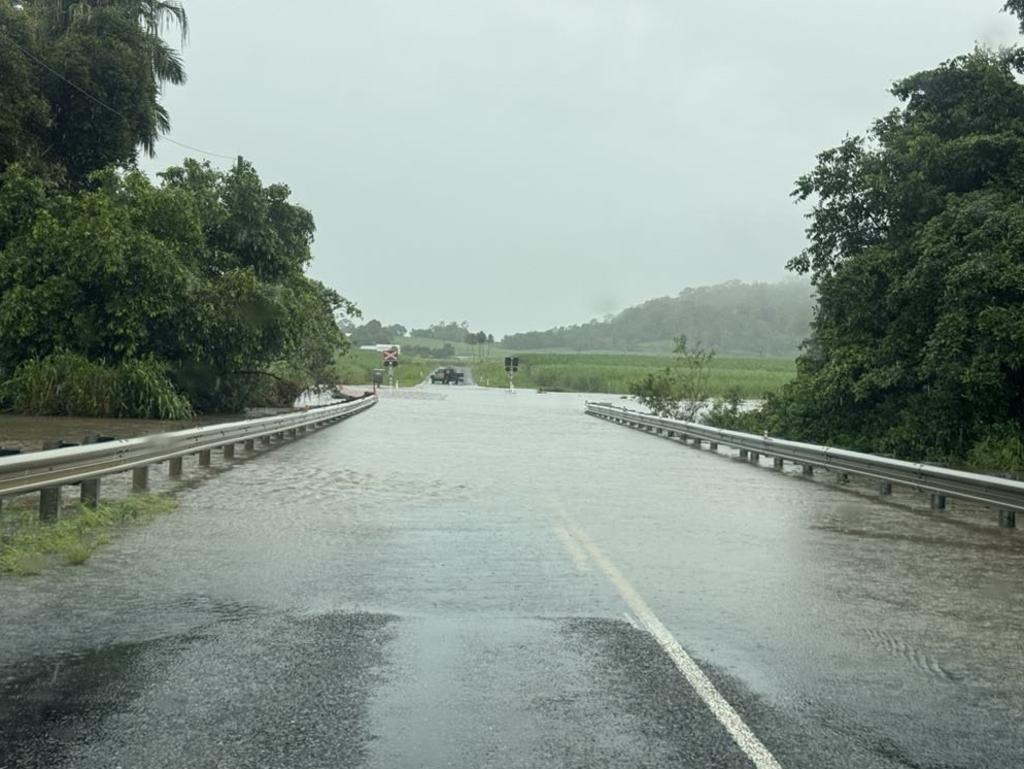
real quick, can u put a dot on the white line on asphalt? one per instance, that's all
(579, 557)
(719, 706)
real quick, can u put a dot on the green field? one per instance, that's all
(613, 373)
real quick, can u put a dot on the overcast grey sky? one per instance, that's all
(521, 164)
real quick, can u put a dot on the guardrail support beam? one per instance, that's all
(91, 492)
(174, 467)
(885, 488)
(778, 463)
(250, 446)
(204, 458)
(49, 504)
(807, 470)
(744, 454)
(1007, 519)
(229, 450)
(712, 446)
(937, 502)
(140, 478)
(755, 458)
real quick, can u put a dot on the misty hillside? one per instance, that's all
(732, 318)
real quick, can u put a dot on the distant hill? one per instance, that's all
(732, 318)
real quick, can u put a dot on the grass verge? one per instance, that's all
(28, 546)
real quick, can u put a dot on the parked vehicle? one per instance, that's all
(447, 376)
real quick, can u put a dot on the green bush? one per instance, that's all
(1000, 450)
(66, 384)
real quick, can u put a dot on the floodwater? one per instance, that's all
(29, 433)
(440, 582)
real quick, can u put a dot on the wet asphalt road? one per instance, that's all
(460, 578)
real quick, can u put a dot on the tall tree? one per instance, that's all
(99, 66)
(916, 239)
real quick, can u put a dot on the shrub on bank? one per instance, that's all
(66, 384)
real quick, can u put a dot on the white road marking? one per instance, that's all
(630, 620)
(579, 557)
(745, 739)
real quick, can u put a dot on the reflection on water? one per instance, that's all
(28, 433)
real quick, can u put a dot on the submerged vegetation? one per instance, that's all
(28, 546)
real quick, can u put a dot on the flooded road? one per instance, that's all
(463, 577)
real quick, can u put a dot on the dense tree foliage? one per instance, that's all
(203, 272)
(731, 318)
(916, 247)
(447, 331)
(375, 332)
(118, 295)
(80, 81)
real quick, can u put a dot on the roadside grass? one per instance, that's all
(614, 373)
(28, 546)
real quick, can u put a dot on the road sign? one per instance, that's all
(390, 357)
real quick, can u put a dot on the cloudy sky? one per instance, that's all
(521, 164)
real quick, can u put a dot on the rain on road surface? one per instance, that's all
(467, 578)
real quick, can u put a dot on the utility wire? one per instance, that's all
(32, 57)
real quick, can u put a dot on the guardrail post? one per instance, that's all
(885, 488)
(937, 502)
(7, 453)
(778, 463)
(264, 440)
(808, 470)
(90, 493)
(755, 458)
(712, 446)
(204, 458)
(49, 498)
(744, 454)
(1008, 519)
(250, 446)
(140, 478)
(174, 467)
(229, 450)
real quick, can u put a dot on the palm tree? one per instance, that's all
(154, 17)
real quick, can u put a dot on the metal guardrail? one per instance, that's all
(48, 470)
(1004, 494)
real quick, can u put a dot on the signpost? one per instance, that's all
(511, 367)
(390, 357)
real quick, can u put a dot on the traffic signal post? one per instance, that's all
(511, 367)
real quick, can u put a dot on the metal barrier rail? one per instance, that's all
(1006, 495)
(46, 471)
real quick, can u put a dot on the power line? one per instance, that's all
(32, 57)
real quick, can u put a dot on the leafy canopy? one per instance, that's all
(916, 247)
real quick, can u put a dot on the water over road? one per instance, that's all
(463, 577)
